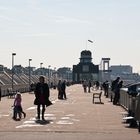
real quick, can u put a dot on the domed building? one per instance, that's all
(85, 70)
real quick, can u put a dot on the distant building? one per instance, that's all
(125, 72)
(18, 69)
(121, 69)
(1, 68)
(65, 73)
(85, 70)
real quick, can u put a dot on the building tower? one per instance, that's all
(104, 69)
(85, 70)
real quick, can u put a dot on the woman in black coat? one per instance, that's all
(42, 94)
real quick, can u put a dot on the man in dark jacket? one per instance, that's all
(42, 94)
(116, 85)
(63, 88)
(106, 88)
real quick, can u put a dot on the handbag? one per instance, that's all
(35, 101)
(48, 103)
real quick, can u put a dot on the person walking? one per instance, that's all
(59, 88)
(117, 86)
(42, 94)
(63, 88)
(85, 86)
(18, 108)
(105, 86)
(89, 86)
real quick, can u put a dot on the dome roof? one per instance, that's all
(86, 52)
(86, 56)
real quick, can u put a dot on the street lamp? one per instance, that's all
(41, 65)
(54, 76)
(49, 73)
(29, 74)
(49, 70)
(13, 54)
(41, 68)
(67, 75)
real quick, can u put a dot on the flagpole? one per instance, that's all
(89, 41)
(86, 45)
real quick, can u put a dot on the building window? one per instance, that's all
(85, 68)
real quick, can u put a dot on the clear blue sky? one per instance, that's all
(56, 31)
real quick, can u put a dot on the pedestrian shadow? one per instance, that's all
(99, 103)
(43, 122)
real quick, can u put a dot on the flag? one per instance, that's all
(90, 41)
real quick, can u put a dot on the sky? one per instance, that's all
(54, 32)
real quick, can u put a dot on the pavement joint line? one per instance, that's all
(53, 131)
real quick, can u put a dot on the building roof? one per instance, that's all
(86, 52)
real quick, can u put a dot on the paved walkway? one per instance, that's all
(72, 119)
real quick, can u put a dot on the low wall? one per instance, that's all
(20, 87)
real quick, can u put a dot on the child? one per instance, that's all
(18, 108)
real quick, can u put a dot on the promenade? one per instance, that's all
(76, 118)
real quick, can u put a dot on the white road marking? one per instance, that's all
(31, 108)
(29, 122)
(49, 115)
(64, 122)
(32, 119)
(65, 118)
(75, 120)
(6, 115)
(27, 125)
(50, 118)
(70, 115)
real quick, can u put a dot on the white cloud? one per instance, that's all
(38, 34)
(63, 19)
(3, 8)
(6, 18)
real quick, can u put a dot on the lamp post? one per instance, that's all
(29, 74)
(49, 70)
(49, 73)
(41, 68)
(67, 75)
(54, 76)
(13, 54)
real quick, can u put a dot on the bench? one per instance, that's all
(11, 93)
(97, 95)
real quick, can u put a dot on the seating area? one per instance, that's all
(97, 95)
